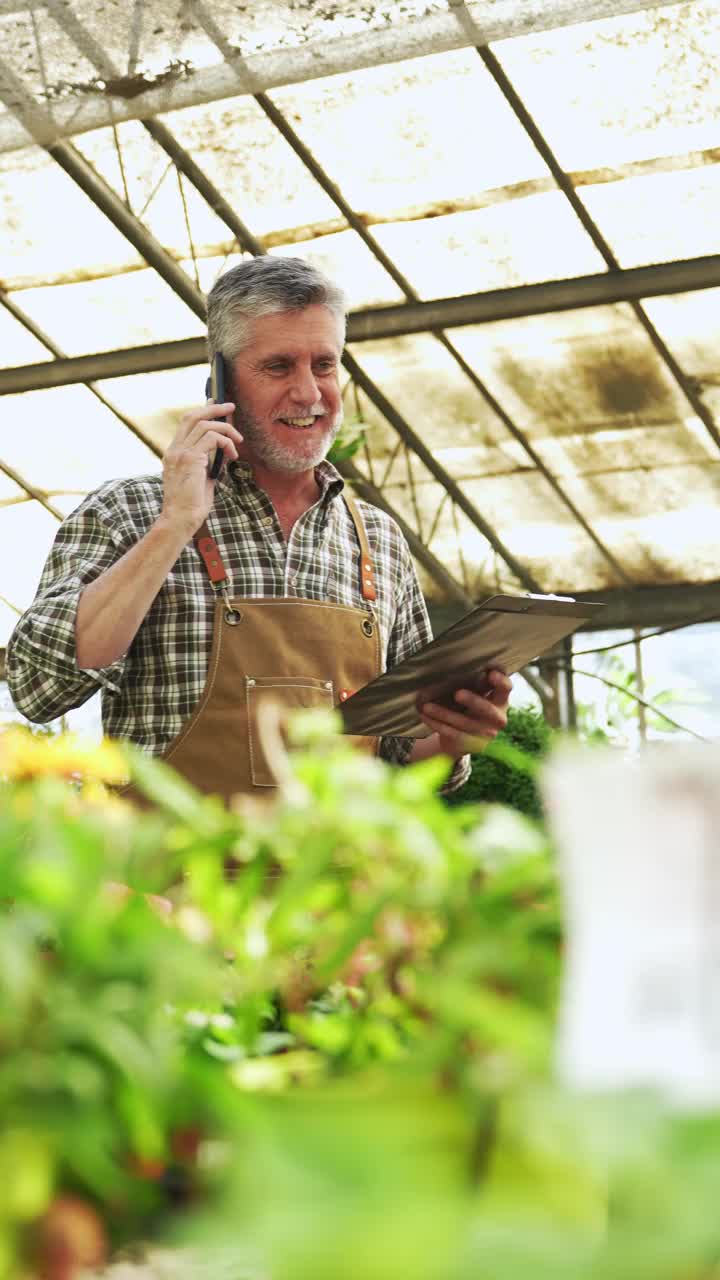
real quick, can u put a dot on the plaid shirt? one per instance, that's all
(150, 692)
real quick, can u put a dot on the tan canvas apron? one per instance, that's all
(295, 652)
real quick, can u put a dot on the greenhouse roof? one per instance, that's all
(520, 200)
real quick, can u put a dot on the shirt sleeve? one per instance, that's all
(42, 672)
(411, 631)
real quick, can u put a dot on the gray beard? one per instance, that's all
(278, 457)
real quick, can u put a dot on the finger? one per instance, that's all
(211, 440)
(501, 684)
(486, 723)
(480, 705)
(217, 430)
(464, 741)
(210, 410)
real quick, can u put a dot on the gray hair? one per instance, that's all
(265, 286)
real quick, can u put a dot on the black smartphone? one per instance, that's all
(215, 390)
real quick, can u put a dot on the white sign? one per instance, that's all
(639, 846)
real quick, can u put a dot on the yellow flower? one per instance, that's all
(24, 755)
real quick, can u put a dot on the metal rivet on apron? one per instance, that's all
(250, 683)
(232, 617)
(368, 628)
(328, 684)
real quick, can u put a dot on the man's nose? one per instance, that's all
(304, 388)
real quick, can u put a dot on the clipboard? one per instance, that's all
(505, 632)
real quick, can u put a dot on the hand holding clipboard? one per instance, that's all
(503, 633)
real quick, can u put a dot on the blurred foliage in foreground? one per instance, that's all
(332, 1055)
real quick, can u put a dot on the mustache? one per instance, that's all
(315, 411)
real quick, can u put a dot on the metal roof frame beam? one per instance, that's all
(687, 275)
(38, 495)
(374, 323)
(398, 42)
(672, 606)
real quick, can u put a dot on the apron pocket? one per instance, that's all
(286, 694)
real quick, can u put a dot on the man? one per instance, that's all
(191, 601)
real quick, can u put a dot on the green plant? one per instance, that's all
(333, 1056)
(349, 440)
(617, 716)
(499, 776)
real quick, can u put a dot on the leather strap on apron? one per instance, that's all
(212, 559)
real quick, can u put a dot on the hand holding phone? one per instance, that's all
(215, 390)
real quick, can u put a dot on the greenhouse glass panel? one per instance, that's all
(129, 309)
(441, 132)
(36, 200)
(246, 158)
(580, 370)
(430, 390)
(17, 344)
(622, 89)
(517, 242)
(690, 324)
(65, 439)
(351, 265)
(157, 401)
(658, 218)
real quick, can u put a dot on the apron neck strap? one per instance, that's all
(367, 575)
(212, 559)
(210, 553)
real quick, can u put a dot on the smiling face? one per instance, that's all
(286, 389)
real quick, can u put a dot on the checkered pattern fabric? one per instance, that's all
(149, 693)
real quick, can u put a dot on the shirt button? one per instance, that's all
(267, 521)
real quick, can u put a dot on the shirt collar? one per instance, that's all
(328, 477)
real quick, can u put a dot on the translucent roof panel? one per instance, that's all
(527, 518)
(575, 371)
(428, 155)
(690, 324)
(431, 392)
(165, 202)
(17, 344)
(664, 523)
(39, 47)
(156, 402)
(65, 439)
(347, 260)
(660, 217)
(37, 199)
(259, 174)
(128, 309)
(31, 527)
(516, 243)
(622, 89)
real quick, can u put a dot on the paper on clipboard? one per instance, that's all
(505, 632)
